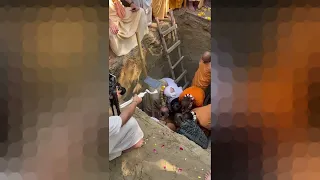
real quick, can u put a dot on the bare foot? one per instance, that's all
(137, 145)
(208, 176)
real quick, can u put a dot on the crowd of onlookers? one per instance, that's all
(129, 18)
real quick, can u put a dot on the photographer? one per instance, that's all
(125, 133)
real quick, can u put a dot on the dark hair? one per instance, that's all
(164, 112)
(175, 106)
(178, 119)
(187, 116)
(186, 102)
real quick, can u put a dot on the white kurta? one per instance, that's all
(123, 42)
(122, 138)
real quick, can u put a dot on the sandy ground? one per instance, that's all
(145, 164)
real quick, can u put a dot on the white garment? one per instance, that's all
(146, 5)
(177, 90)
(133, 23)
(122, 138)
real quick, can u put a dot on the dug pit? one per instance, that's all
(166, 155)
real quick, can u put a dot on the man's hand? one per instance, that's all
(136, 99)
(118, 92)
(128, 112)
(113, 28)
(134, 7)
(121, 12)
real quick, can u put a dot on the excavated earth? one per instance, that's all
(165, 154)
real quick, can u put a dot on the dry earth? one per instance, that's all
(145, 164)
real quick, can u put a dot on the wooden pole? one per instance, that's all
(185, 3)
(144, 68)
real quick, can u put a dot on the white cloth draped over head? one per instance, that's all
(171, 84)
(122, 138)
(146, 5)
(123, 42)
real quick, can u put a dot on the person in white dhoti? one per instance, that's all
(125, 133)
(146, 5)
(124, 23)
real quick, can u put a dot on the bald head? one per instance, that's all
(206, 57)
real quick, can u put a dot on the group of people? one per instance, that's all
(172, 106)
(184, 111)
(180, 110)
(134, 18)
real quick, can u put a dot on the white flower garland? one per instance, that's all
(194, 115)
(189, 96)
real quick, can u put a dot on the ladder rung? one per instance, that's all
(176, 64)
(186, 85)
(169, 30)
(181, 76)
(173, 46)
(165, 19)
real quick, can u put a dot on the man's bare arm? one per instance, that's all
(128, 112)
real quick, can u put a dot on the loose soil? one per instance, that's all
(144, 163)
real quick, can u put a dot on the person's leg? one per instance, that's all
(137, 145)
(208, 176)
(130, 137)
(190, 5)
(195, 4)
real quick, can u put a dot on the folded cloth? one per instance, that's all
(192, 131)
(167, 91)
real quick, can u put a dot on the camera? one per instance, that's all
(115, 86)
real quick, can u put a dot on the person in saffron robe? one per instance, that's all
(202, 77)
(160, 8)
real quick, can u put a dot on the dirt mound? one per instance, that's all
(162, 156)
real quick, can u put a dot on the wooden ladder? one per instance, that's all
(172, 30)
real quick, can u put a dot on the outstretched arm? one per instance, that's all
(128, 112)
